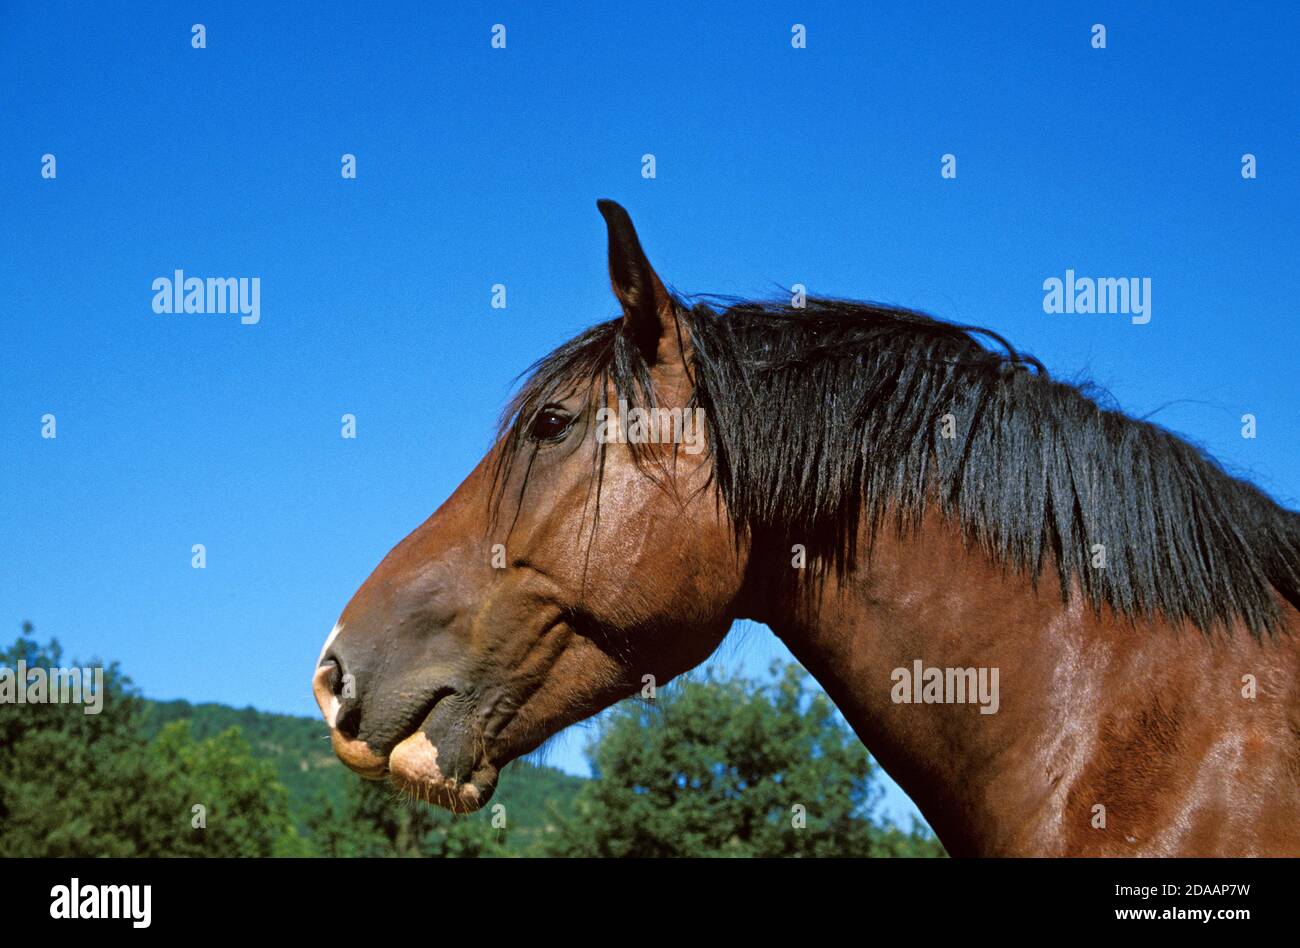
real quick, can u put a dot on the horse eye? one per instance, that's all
(548, 425)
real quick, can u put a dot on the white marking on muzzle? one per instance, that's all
(338, 627)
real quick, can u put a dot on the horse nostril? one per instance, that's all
(337, 697)
(335, 679)
(348, 722)
(347, 710)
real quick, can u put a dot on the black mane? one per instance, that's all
(832, 415)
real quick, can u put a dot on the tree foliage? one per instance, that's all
(377, 821)
(77, 784)
(732, 767)
(714, 767)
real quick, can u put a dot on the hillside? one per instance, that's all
(300, 750)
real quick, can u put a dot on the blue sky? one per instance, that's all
(479, 166)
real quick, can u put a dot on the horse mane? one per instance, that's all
(836, 414)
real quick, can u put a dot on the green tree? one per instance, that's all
(377, 821)
(732, 768)
(212, 797)
(77, 784)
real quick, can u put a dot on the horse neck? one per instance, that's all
(1072, 685)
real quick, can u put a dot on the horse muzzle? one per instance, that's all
(432, 749)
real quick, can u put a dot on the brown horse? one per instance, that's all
(1061, 630)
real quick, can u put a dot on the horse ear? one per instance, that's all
(648, 315)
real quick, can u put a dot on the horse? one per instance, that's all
(917, 510)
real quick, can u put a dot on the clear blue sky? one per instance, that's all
(479, 166)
